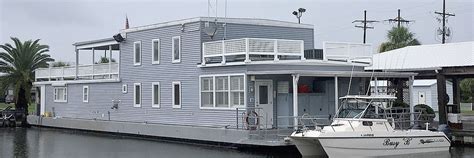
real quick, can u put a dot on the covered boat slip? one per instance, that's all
(306, 96)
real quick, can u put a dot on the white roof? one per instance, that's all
(425, 57)
(427, 82)
(251, 21)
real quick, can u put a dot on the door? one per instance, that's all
(42, 99)
(421, 98)
(264, 100)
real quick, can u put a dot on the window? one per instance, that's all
(176, 94)
(207, 92)
(137, 95)
(222, 91)
(85, 94)
(60, 94)
(137, 51)
(237, 90)
(176, 49)
(124, 88)
(156, 46)
(155, 92)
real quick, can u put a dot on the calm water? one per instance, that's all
(54, 143)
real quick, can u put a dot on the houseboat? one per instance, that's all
(205, 79)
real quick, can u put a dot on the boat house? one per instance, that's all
(207, 73)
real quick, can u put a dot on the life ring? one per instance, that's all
(250, 115)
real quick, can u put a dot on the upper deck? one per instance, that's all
(282, 51)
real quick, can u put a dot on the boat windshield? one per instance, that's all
(363, 106)
(352, 108)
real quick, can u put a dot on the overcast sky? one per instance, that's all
(59, 23)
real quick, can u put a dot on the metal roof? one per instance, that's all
(425, 57)
(252, 21)
(335, 73)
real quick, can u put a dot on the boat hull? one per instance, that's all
(383, 146)
(308, 147)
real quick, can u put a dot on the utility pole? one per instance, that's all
(444, 15)
(399, 20)
(364, 24)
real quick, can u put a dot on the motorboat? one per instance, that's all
(362, 128)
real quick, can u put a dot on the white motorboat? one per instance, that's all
(359, 131)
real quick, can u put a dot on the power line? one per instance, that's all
(444, 31)
(399, 20)
(364, 24)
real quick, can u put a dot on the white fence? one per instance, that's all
(349, 52)
(83, 71)
(246, 47)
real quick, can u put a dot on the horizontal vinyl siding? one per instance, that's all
(100, 101)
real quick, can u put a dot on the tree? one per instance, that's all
(105, 60)
(398, 37)
(466, 91)
(18, 62)
(60, 64)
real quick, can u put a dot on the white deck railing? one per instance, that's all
(83, 71)
(350, 52)
(247, 48)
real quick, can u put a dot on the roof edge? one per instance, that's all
(252, 21)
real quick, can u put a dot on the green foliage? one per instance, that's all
(466, 91)
(60, 64)
(398, 38)
(105, 60)
(400, 104)
(428, 109)
(18, 62)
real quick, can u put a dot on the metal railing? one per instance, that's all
(349, 52)
(69, 72)
(248, 49)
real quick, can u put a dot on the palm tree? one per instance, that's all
(18, 62)
(398, 37)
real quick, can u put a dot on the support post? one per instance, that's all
(247, 49)
(441, 89)
(275, 51)
(456, 95)
(412, 100)
(399, 89)
(336, 95)
(93, 63)
(296, 77)
(223, 53)
(77, 64)
(110, 61)
(376, 84)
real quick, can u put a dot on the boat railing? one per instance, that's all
(365, 122)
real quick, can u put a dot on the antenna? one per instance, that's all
(210, 28)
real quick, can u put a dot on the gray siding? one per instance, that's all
(100, 101)
(166, 72)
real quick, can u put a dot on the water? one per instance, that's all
(55, 143)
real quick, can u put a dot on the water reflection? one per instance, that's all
(53, 143)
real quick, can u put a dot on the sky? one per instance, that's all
(60, 23)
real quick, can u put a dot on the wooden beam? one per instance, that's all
(441, 88)
(456, 95)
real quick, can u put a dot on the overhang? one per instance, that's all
(335, 73)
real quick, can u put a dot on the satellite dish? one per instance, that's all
(210, 29)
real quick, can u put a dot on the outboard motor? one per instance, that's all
(445, 129)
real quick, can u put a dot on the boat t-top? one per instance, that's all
(361, 128)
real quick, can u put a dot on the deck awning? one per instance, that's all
(335, 73)
(100, 44)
